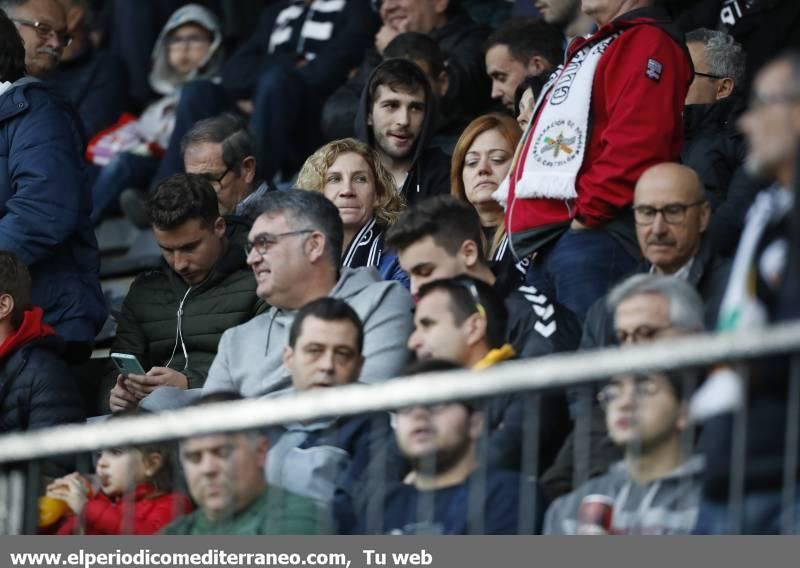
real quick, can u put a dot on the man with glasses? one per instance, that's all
(173, 317)
(656, 488)
(294, 250)
(671, 215)
(42, 25)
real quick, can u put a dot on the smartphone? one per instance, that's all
(128, 364)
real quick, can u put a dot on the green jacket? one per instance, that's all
(275, 512)
(148, 323)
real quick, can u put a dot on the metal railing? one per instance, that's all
(552, 372)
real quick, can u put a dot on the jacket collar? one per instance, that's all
(14, 101)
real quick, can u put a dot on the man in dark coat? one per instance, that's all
(460, 39)
(36, 388)
(172, 318)
(44, 208)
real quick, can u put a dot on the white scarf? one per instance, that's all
(550, 157)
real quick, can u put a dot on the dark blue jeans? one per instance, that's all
(124, 171)
(579, 268)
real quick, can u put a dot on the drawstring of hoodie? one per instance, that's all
(622, 498)
(179, 335)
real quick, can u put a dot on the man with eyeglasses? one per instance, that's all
(656, 488)
(173, 317)
(42, 25)
(671, 215)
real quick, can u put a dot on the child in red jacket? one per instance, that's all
(135, 494)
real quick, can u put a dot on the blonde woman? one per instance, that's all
(352, 177)
(481, 160)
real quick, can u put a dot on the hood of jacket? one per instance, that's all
(163, 79)
(364, 130)
(32, 328)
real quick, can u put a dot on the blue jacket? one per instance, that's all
(44, 208)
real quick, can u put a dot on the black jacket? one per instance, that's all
(354, 28)
(712, 146)
(708, 275)
(430, 172)
(37, 389)
(462, 42)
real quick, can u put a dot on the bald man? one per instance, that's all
(671, 215)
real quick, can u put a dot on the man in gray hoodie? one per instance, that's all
(656, 488)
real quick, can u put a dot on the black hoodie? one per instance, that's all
(430, 171)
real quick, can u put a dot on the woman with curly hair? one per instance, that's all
(351, 175)
(481, 160)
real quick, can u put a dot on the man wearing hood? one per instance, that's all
(188, 47)
(172, 318)
(656, 489)
(44, 208)
(397, 118)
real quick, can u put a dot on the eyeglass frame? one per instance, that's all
(710, 76)
(64, 38)
(663, 210)
(218, 181)
(639, 390)
(262, 249)
(638, 336)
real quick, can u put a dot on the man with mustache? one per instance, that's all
(43, 27)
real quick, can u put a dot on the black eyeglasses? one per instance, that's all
(46, 31)
(673, 213)
(708, 75)
(263, 242)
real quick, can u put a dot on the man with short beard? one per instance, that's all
(43, 27)
(440, 441)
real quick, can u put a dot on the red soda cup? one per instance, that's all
(594, 515)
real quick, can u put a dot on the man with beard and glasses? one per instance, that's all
(441, 443)
(43, 27)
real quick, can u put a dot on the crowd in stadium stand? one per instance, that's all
(351, 191)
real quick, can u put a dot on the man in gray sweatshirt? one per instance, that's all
(294, 250)
(656, 488)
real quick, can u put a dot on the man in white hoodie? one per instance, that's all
(656, 488)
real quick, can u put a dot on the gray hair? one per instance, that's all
(305, 209)
(226, 129)
(685, 304)
(724, 55)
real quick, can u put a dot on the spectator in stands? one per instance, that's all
(423, 50)
(225, 475)
(714, 147)
(444, 471)
(481, 161)
(314, 459)
(37, 390)
(567, 15)
(441, 238)
(671, 215)
(463, 320)
(351, 175)
(189, 47)
(460, 40)
(172, 318)
(223, 151)
(568, 194)
(396, 118)
(525, 99)
(518, 49)
(43, 28)
(136, 494)
(44, 208)
(295, 251)
(656, 488)
(763, 289)
(93, 80)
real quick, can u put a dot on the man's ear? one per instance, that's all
(75, 16)
(6, 306)
(683, 416)
(475, 328)
(725, 88)
(219, 227)
(288, 356)
(440, 6)
(475, 425)
(705, 215)
(537, 65)
(248, 168)
(153, 461)
(470, 253)
(315, 246)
